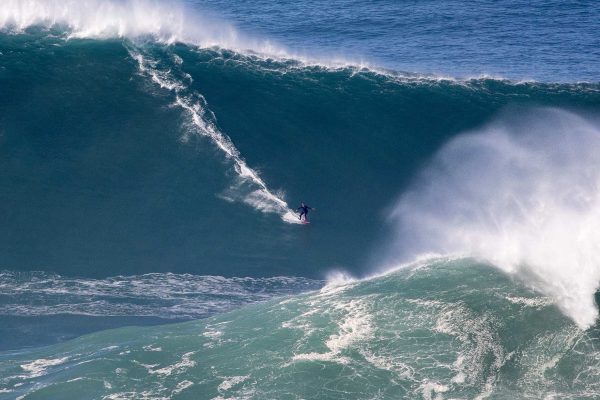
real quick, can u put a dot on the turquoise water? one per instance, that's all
(153, 155)
(442, 329)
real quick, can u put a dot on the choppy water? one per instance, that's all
(440, 329)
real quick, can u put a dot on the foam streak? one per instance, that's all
(261, 198)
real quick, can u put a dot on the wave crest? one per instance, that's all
(172, 22)
(522, 193)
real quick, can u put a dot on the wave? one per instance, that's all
(437, 329)
(523, 193)
(520, 194)
(377, 129)
(104, 139)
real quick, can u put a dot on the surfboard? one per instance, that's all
(306, 222)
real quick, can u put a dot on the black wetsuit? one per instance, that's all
(303, 211)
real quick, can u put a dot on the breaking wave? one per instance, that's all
(433, 330)
(522, 193)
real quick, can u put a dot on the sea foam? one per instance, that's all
(522, 193)
(167, 22)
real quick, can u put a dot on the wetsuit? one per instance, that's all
(303, 211)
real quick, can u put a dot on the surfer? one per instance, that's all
(303, 211)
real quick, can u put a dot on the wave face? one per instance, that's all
(440, 329)
(131, 157)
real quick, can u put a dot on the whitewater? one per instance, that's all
(152, 155)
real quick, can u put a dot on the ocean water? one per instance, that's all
(154, 152)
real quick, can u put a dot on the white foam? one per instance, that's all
(135, 396)
(39, 367)
(181, 386)
(168, 23)
(543, 356)
(212, 334)
(172, 22)
(177, 368)
(339, 277)
(536, 302)
(402, 370)
(522, 193)
(354, 325)
(152, 348)
(433, 390)
(231, 381)
(337, 281)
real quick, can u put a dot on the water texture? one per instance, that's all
(153, 154)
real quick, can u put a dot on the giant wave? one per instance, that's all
(135, 141)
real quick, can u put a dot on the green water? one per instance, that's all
(457, 329)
